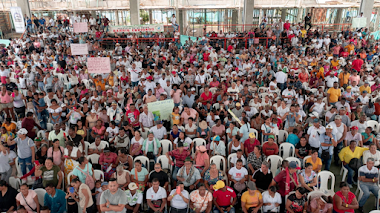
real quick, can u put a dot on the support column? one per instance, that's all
(366, 7)
(377, 20)
(299, 15)
(150, 16)
(182, 21)
(117, 16)
(134, 9)
(234, 19)
(283, 14)
(248, 11)
(25, 7)
(226, 17)
(338, 17)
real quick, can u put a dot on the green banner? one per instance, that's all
(161, 109)
(184, 38)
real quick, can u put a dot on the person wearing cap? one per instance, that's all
(189, 175)
(249, 144)
(270, 148)
(25, 150)
(251, 200)
(353, 135)
(287, 181)
(327, 144)
(217, 147)
(313, 134)
(333, 94)
(152, 146)
(159, 131)
(179, 199)
(224, 198)
(113, 199)
(179, 154)
(134, 198)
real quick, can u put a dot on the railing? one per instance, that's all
(244, 42)
(245, 27)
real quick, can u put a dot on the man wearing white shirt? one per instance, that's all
(173, 20)
(281, 79)
(331, 79)
(159, 131)
(84, 19)
(134, 72)
(314, 132)
(92, 21)
(146, 118)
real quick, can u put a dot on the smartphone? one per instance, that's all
(178, 191)
(71, 190)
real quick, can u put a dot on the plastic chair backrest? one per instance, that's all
(287, 150)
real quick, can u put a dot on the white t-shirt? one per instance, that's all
(234, 159)
(112, 132)
(273, 200)
(173, 20)
(134, 74)
(99, 148)
(139, 141)
(151, 195)
(238, 174)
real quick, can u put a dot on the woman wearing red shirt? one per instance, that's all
(303, 76)
(206, 96)
(214, 82)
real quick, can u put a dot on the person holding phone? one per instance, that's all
(71, 199)
(180, 199)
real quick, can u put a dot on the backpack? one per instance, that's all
(89, 181)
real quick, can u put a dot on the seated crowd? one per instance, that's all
(250, 129)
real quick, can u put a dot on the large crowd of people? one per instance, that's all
(254, 127)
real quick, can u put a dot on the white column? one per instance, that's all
(283, 14)
(25, 8)
(376, 27)
(134, 9)
(248, 11)
(366, 6)
(299, 15)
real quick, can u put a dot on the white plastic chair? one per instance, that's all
(144, 160)
(375, 211)
(343, 171)
(314, 194)
(197, 142)
(323, 180)
(290, 159)
(304, 160)
(374, 125)
(99, 175)
(145, 133)
(220, 162)
(216, 106)
(254, 131)
(275, 163)
(105, 143)
(41, 195)
(164, 161)
(49, 126)
(69, 177)
(287, 150)
(282, 136)
(166, 146)
(229, 158)
(15, 183)
(94, 158)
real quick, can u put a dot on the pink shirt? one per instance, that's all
(200, 159)
(29, 199)
(185, 116)
(354, 78)
(56, 155)
(176, 95)
(5, 99)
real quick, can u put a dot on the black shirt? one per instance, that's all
(262, 181)
(161, 176)
(8, 200)
(76, 140)
(303, 150)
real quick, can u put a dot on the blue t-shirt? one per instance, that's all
(42, 21)
(293, 139)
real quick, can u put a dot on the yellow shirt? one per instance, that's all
(251, 201)
(316, 164)
(363, 88)
(350, 48)
(9, 127)
(334, 63)
(303, 33)
(343, 78)
(101, 83)
(346, 153)
(334, 94)
(176, 118)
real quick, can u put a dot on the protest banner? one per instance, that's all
(79, 49)
(80, 27)
(99, 65)
(18, 19)
(184, 38)
(359, 22)
(137, 28)
(161, 110)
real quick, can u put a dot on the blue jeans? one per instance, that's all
(350, 174)
(366, 189)
(25, 162)
(175, 171)
(327, 163)
(135, 83)
(43, 119)
(216, 210)
(175, 26)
